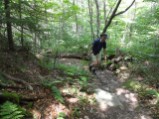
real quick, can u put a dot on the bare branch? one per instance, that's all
(125, 9)
(110, 11)
(112, 16)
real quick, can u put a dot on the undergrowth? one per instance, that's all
(72, 70)
(144, 81)
(73, 75)
(10, 110)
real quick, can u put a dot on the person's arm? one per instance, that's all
(104, 53)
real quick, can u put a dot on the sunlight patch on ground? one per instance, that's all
(53, 110)
(72, 100)
(127, 97)
(145, 117)
(36, 114)
(123, 76)
(106, 99)
(122, 96)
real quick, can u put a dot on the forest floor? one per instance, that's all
(67, 95)
(113, 100)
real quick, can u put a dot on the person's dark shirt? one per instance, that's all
(97, 46)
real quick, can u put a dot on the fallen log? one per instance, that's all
(74, 56)
(81, 57)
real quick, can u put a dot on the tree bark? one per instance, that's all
(125, 9)
(76, 20)
(35, 41)
(105, 10)
(98, 17)
(9, 25)
(91, 18)
(21, 24)
(112, 16)
(35, 32)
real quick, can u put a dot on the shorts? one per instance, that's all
(96, 57)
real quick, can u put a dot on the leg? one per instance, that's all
(95, 63)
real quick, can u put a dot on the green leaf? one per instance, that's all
(10, 111)
(57, 94)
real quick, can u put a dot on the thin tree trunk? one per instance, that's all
(134, 16)
(22, 35)
(35, 42)
(76, 20)
(114, 14)
(35, 32)
(98, 17)
(105, 10)
(9, 25)
(91, 18)
(21, 24)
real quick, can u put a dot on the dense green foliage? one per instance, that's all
(53, 25)
(11, 111)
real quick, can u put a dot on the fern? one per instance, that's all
(61, 115)
(57, 94)
(83, 81)
(10, 111)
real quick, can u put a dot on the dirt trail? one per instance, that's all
(114, 102)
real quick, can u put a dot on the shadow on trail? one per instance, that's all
(114, 101)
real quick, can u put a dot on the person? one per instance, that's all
(97, 46)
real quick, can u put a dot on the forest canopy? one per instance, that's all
(46, 24)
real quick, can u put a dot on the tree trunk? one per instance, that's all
(114, 14)
(105, 10)
(98, 17)
(134, 16)
(91, 18)
(9, 25)
(35, 42)
(21, 24)
(35, 32)
(22, 35)
(62, 24)
(76, 20)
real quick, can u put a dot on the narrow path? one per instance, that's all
(114, 102)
